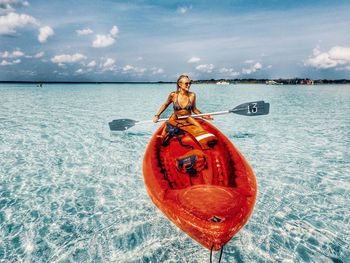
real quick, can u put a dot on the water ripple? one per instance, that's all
(70, 191)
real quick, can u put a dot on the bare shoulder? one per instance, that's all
(192, 94)
(171, 95)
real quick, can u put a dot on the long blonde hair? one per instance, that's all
(178, 80)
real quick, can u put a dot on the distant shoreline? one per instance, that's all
(295, 81)
(83, 82)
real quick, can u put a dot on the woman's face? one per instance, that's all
(185, 83)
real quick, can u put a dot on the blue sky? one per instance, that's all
(106, 40)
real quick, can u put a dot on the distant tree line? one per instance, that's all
(294, 81)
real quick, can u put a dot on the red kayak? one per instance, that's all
(209, 194)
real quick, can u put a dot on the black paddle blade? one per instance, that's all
(252, 108)
(121, 124)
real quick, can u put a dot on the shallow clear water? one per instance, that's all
(72, 192)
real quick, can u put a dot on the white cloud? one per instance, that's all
(85, 31)
(10, 22)
(128, 68)
(156, 71)
(132, 69)
(139, 58)
(229, 72)
(68, 59)
(17, 53)
(109, 63)
(247, 71)
(207, 68)
(103, 41)
(321, 61)
(342, 54)
(337, 56)
(13, 54)
(194, 60)
(183, 9)
(253, 68)
(257, 66)
(44, 33)
(79, 71)
(91, 64)
(114, 31)
(7, 63)
(249, 61)
(106, 40)
(39, 55)
(12, 4)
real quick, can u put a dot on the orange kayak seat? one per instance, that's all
(176, 128)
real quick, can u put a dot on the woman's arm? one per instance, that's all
(163, 107)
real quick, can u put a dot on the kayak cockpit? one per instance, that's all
(214, 166)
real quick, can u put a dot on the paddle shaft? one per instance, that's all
(247, 109)
(186, 116)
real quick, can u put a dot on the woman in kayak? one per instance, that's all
(184, 103)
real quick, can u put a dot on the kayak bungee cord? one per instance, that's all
(211, 253)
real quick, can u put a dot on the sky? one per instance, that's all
(144, 40)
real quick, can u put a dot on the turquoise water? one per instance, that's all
(72, 192)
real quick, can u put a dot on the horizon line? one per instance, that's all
(165, 82)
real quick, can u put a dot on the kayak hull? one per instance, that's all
(210, 206)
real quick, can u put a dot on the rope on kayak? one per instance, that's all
(211, 253)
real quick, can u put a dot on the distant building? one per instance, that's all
(307, 82)
(222, 82)
(272, 82)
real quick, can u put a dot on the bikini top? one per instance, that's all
(177, 106)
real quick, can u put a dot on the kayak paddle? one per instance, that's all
(254, 108)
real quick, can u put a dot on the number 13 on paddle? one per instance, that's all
(252, 108)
